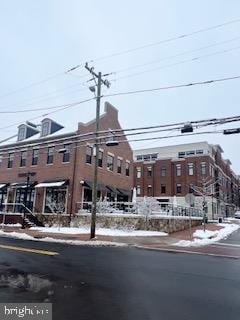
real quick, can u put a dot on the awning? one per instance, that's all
(50, 184)
(111, 189)
(2, 185)
(100, 187)
(21, 184)
(124, 192)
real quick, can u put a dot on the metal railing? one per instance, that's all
(148, 208)
(12, 205)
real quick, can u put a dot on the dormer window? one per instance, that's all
(21, 133)
(45, 128)
(49, 127)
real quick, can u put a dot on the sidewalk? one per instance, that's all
(142, 241)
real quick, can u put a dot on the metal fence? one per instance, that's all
(143, 208)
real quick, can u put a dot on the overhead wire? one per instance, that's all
(68, 71)
(176, 55)
(182, 36)
(46, 114)
(176, 63)
(206, 82)
(74, 135)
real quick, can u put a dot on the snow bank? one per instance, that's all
(209, 237)
(100, 231)
(93, 243)
(15, 225)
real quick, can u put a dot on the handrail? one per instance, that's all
(18, 204)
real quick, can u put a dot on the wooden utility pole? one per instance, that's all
(99, 81)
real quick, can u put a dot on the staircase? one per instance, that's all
(30, 220)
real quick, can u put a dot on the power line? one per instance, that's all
(182, 36)
(34, 109)
(45, 97)
(176, 55)
(85, 142)
(177, 63)
(198, 123)
(46, 114)
(172, 136)
(206, 82)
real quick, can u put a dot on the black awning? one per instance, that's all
(124, 192)
(111, 189)
(100, 187)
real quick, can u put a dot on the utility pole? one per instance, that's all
(97, 77)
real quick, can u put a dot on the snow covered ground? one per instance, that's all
(14, 225)
(202, 238)
(100, 231)
(93, 243)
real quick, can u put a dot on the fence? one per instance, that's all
(143, 208)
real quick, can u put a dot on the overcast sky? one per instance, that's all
(41, 39)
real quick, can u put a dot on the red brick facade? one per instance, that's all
(164, 178)
(77, 174)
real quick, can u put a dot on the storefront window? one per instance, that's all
(55, 200)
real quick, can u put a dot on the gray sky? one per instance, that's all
(40, 39)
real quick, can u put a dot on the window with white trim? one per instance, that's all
(190, 169)
(138, 172)
(110, 161)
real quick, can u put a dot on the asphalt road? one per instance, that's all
(120, 283)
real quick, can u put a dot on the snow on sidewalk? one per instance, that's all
(100, 231)
(93, 243)
(208, 237)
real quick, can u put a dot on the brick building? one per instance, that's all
(59, 166)
(188, 173)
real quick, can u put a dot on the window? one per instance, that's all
(50, 155)
(147, 157)
(154, 156)
(138, 172)
(110, 160)
(119, 166)
(203, 168)
(149, 171)
(163, 188)
(163, 172)
(199, 151)
(149, 190)
(23, 159)
(100, 158)
(35, 157)
(190, 169)
(178, 188)
(88, 154)
(10, 160)
(55, 200)
(181, 154)
(45, 128)
(190, 153)
(138, 189)
(21, 133)
(178, 170)
(127, 168)
(66, 154)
